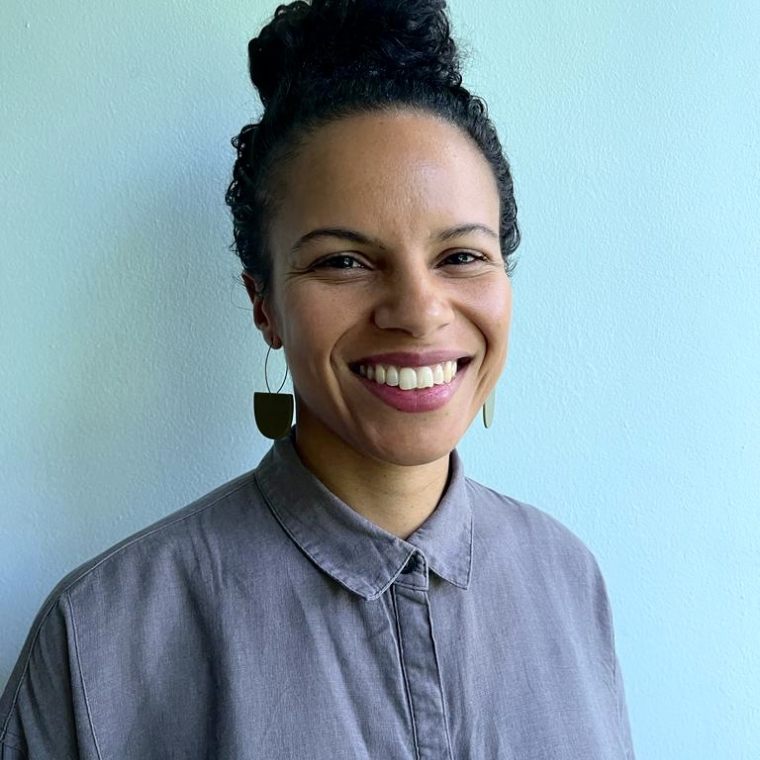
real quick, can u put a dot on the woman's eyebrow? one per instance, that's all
(464, 229)
(357, 237)
(335, 232)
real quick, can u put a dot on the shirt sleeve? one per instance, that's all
(43, 710)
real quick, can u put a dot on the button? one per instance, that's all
(410, 566)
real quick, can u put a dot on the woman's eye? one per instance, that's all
(463, 257)
(339, 262)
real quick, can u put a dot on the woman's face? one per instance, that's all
(386, 254)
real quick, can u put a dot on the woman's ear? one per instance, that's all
(263, 314)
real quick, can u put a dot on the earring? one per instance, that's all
(273, 412)
(488, 408)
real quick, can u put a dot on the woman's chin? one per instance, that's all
(382, 435)
(412, 448)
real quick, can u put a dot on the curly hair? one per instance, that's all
(318, 62)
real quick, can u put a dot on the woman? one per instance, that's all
(355, 596)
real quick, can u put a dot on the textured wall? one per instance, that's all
(630, 408)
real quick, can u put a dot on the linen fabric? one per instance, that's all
(270, 620)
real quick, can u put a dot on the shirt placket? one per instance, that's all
(419, 660)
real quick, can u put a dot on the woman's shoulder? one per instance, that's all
(527, 532)
(220, 511)
(140, 589)
(542, 563)
(215, 530)
(170, 566)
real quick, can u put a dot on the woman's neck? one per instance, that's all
(397, 498)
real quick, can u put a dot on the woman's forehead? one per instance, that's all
(391, 171)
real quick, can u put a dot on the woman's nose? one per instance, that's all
(414, 301)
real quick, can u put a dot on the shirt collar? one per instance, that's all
(353, 550)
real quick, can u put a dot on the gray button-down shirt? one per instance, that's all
(269, 620)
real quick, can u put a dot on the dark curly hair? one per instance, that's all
(316, 63)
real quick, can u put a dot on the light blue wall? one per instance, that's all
(630, 408)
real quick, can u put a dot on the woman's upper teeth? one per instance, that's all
(409, 378)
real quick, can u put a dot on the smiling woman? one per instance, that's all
(386, 255)
(356, 595)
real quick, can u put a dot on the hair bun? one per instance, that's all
(353, 38)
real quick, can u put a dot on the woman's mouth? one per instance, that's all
(422, 388)
(411, 378)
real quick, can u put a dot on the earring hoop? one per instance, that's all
(266, 379)
(273, 412)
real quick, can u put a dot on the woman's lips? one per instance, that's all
(418, 399)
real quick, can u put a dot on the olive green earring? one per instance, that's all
(273, 412)
(488, 408)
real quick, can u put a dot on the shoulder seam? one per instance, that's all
(75, 637)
